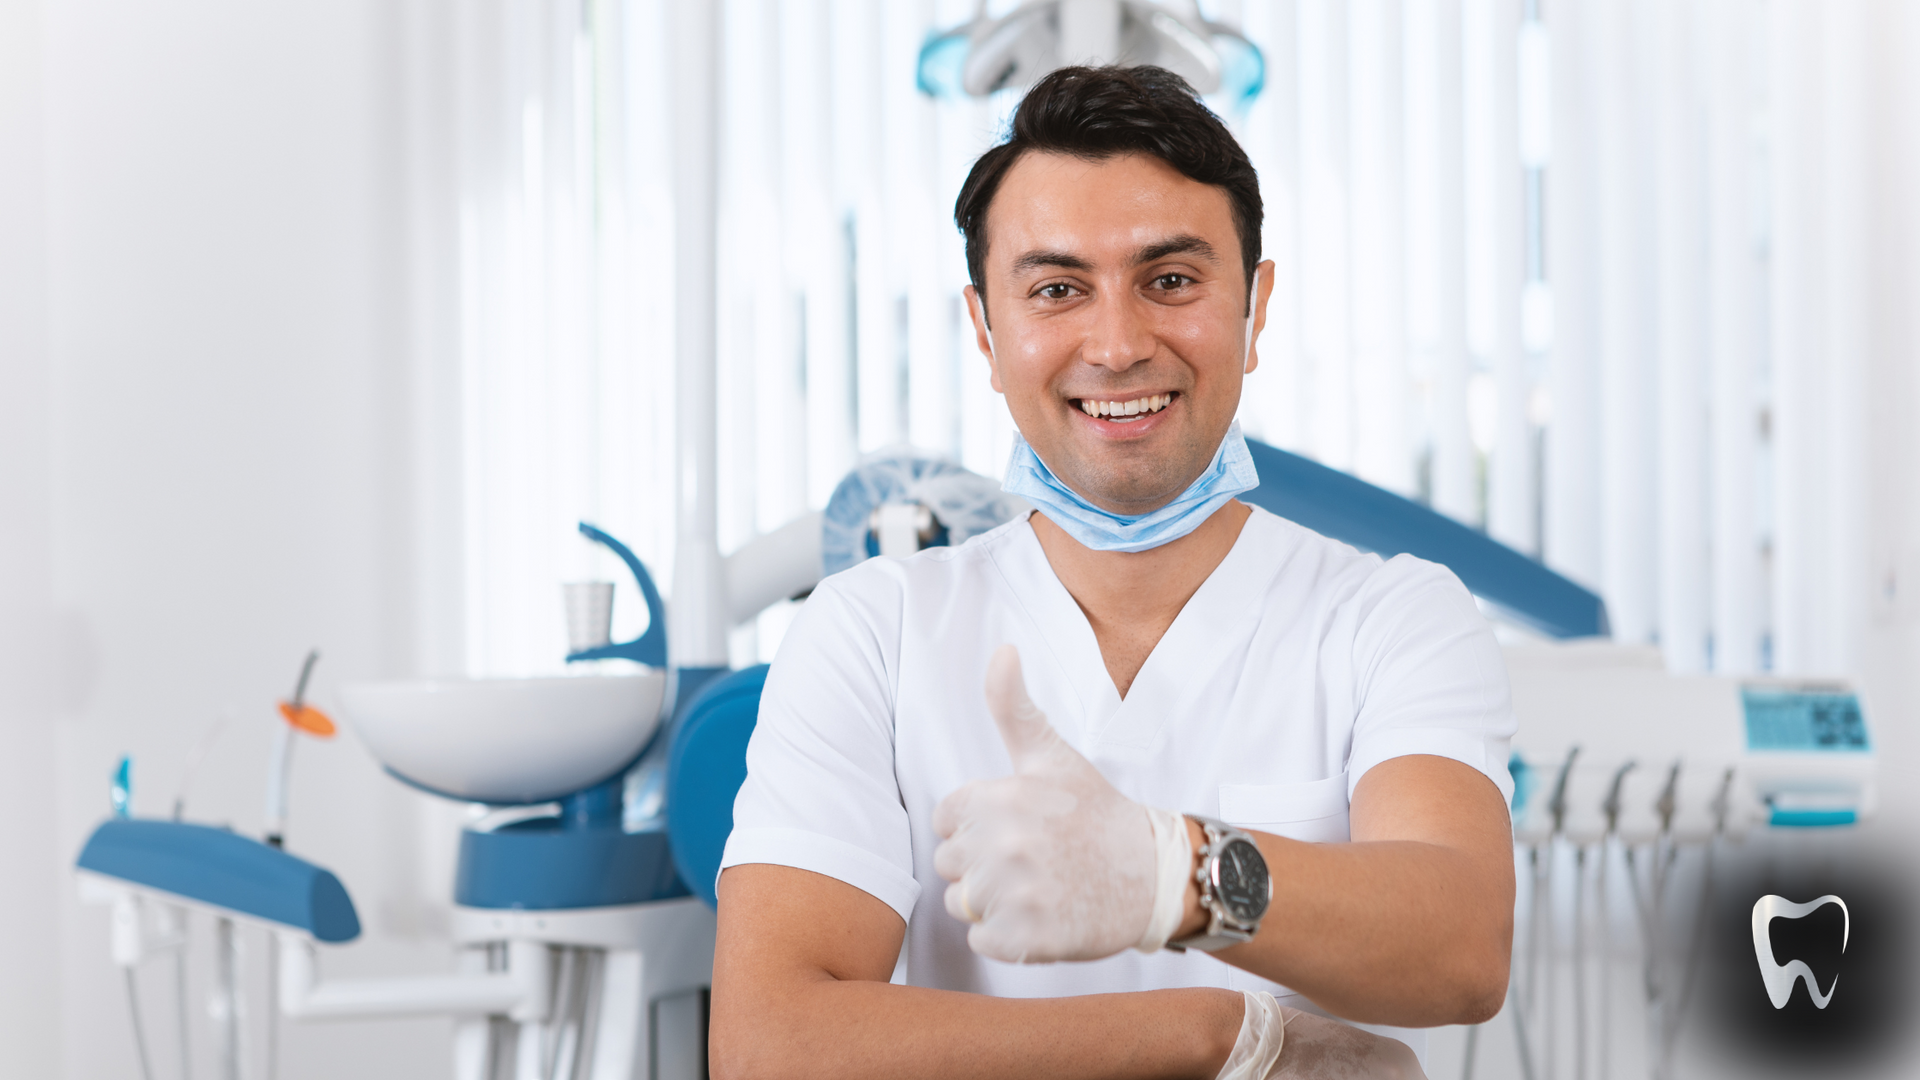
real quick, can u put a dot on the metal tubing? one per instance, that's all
(523, 991)
(226, 997)
(1579, 962)
(697, 621)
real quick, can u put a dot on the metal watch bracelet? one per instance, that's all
(1223, 928)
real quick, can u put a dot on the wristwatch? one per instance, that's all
(1234, 888)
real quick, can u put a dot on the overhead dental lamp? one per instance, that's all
(988, 54)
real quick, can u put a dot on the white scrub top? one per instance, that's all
(1297, 666)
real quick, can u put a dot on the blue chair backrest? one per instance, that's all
(1370, 518)
(706, 765)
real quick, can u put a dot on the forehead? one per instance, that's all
(1111, 207)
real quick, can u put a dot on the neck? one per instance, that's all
(1130, 598)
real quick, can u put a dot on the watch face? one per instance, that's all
(1243, 887)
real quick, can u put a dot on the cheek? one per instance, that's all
(1200, 340)
(1030, 365)
(1212, 348)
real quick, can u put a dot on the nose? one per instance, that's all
(1118, 334)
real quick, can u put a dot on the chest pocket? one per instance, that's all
(1314, 810)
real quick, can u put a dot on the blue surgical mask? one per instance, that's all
(1230, 473)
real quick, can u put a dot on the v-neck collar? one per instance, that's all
(1061, 625)
(1221, 611)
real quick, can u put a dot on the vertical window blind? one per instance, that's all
(1587, 274)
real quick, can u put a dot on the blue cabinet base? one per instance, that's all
(540, 866)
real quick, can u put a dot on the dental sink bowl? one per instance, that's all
(506, 741)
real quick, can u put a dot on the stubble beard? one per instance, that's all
(1136, 481)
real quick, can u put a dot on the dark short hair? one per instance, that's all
(1099, 112)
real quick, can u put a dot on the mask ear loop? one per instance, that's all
(991, 354)
(1246, 352)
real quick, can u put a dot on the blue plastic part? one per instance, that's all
(1353, 511)
(120, 795)
(706, 765)
(1243, 68)
(689, 684)
(1811, 819)
(597, 807)
(942, 58)
(223, 869)
(541, 865)
(649, 648)
(1523, 781)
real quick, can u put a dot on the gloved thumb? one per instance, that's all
(1023, 727)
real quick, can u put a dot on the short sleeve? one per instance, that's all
(1430, 676)
(820, 792)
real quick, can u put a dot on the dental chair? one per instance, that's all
(707, 763)
(575, 931)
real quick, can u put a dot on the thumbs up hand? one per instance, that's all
(1052, 863)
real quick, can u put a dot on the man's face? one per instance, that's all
(1119, 321)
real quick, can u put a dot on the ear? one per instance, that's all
(1262, 290)
(982, 334)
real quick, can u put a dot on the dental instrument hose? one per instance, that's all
(180, 1005)
(278, 774)
(139, 1033)
(1611, 807)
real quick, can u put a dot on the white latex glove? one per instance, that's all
(1278, 1043)
(1052, 863)
(1263, 1032)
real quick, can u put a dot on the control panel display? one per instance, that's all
(1803, 719)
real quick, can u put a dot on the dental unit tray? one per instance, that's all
(1690, 756)
(217, 869)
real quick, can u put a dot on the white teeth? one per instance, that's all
(1137, 406)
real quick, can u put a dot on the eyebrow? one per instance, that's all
(1041, 259)
(1177, 245)
(1185, 244)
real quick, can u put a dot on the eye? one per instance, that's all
(1057, 290)
(1171, 282)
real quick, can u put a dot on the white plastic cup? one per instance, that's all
(589, 614)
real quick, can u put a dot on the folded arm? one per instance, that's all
(1412, 923)
(800, 989)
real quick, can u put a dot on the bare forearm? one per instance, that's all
(835, 1028)
(800, 990)
(1409, 924)
(1394, 932)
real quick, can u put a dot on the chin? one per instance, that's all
(1138, 475)
(1139, 491)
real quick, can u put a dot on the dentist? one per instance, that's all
(1151, 782)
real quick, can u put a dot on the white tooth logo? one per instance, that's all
(1778, 977)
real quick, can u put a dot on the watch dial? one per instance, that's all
(1243, 887)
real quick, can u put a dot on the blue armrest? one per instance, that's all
(224, 870)
(1374, 519)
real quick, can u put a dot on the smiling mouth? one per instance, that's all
(1124, 412)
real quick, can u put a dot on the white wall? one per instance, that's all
(39, 650)
(207, 417)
